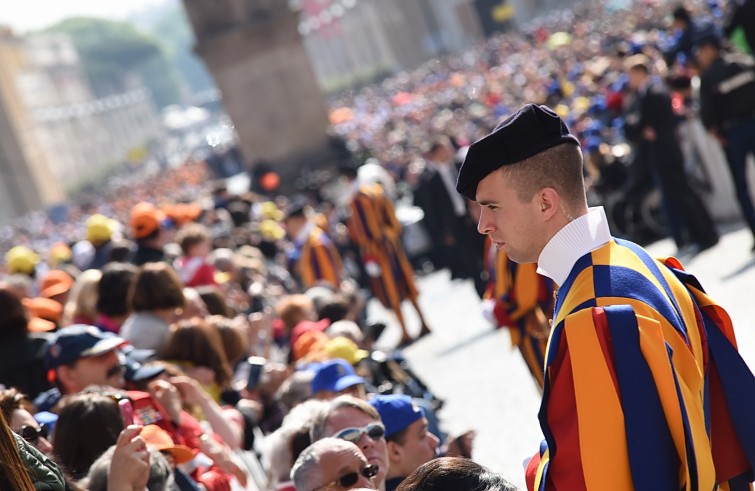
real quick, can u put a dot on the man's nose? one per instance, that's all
(366, 442)
(483, 225)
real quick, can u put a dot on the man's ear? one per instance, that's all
(66, 376)
(549, 202)
(395, 452)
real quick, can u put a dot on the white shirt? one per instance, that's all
(447, 175)
(582, 236)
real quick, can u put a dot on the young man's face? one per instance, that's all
(419, 447)
(513, 225)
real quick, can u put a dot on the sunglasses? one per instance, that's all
(350, 479)
(31, 434)
(375, 431)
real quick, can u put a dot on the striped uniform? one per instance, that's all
(373, 227)
(644, 386)
(523, 303)
(316, 261)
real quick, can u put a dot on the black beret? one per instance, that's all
(296, 208)
(707, 35)
(531, 130)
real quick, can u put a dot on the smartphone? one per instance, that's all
(127, 411)
(256, 365)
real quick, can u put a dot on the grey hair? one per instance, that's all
(320, 425)
(306, 469)
(296, 389)
(277, 450)
(160, 472)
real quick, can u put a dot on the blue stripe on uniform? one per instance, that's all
(652, 454)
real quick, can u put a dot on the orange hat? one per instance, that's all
(54, 283)
(44, 308)
(183, 213)
(309, 343)
(160, 440)
(145, 219)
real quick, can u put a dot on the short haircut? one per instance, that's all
(638, 63)
(334, 310)
(160, 472)
(320, 425)
(214, 299)
(294, 309)
(156, 286)
(191, 235)
(296, 389)
(560, 167)
(113, 288)
(453, 473)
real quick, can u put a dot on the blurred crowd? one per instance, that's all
(168, 334)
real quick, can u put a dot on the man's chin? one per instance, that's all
(117, 382)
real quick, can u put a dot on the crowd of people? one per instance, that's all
(169, 334)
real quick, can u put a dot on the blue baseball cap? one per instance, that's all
(335, 376)
(79, 341)
(397, 412)
(46, 418)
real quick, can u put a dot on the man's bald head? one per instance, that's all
(325, 461)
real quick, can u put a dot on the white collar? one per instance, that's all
(303, 234)
(579, 237)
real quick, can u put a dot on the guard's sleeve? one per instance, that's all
(615, 414)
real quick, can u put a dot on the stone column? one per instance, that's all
(257, 57)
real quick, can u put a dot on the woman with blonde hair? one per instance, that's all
(81, 307)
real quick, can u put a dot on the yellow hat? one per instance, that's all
(99, 228)
(346, 349)
(271, 230)
(269, 210)
(21, 259)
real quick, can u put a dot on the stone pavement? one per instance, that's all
(486, 385)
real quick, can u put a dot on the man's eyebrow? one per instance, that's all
(486, 202)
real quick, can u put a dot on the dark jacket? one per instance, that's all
(145, 254)
(432, 196)
(727, 91)
(22, 363)
(652, 109)
(44, 473)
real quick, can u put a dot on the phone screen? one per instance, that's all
(127, 411)
(256, 365)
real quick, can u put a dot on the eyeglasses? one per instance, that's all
(350, 479)
(32, 434)
(375, 431)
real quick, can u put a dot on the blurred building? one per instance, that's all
(25, 182)
(65, 137)
(352, 41)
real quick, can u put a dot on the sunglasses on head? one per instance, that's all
(375, 431)
(350, 479)
(32, 434)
